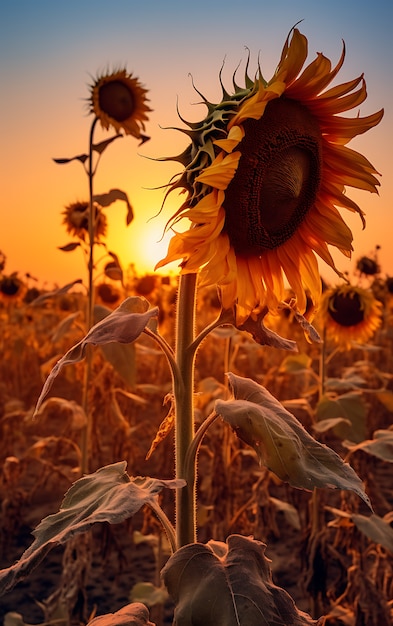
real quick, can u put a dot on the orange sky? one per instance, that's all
(47, 59)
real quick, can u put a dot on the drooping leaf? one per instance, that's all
(106, 199)
(81, 157)
(344, 384)
(309, 330)
(100, 147)
(265, 336)
(64, 326)
(339, 425)
(282, 443)
(380, 446)
(294, 364)
(135, 614)
(123, 325)
(376, 529)
(57, 292)
(113, 271)
(69, 247)
(120, 355)
(351, 407)
(228, 584)
(108, 495)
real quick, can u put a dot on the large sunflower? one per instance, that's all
(118, 99)
(350, 314)
(264, 174)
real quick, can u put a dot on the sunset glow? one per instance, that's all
(49, 118)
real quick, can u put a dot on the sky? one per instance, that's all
(50, 52)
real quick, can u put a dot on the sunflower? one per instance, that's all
(76, 220)
(11, 287)
(119, 100)
(350, 314)
(368, 266)
(264, 174)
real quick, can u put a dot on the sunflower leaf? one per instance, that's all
(381, 446)
(81, 157)
(264, 336)
(108, 495)
(69, 247)
(281, 442)
(123, 325)
(57, 292)
(107, 199)
(120, 355)
(135, 614)
(100, 147)
(225, 584)
(375, 528)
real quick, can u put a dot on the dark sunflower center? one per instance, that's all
(116, 100)
(9, 286)
(346, 309)
(277, 179)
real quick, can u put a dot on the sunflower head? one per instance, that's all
(11, 287)
(107, 294)
(118, 99)
(350, 314)
(265, 173)
(76, 220)
(368, 266)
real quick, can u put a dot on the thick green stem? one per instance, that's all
(184, 420)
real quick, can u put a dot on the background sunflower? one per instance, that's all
(350, 315)
(118, 99)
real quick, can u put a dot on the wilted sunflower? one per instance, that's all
(76, 220)
(350, 314)
(119, 100)
(264, 173)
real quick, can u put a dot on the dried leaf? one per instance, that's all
(123, 325)
(164, 429)
(282, 443)
(108, 495)
(310, 332)
(136, 614)
(264, 336)
(228, 584)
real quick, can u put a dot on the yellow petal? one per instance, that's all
(220, 173)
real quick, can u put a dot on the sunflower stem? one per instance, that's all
(184, 409)
(86, 432)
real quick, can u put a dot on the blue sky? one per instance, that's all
(50, 50)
